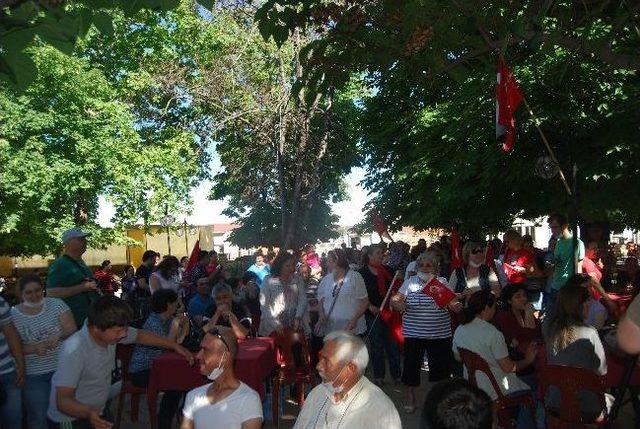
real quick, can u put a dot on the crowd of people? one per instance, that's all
(389, 311)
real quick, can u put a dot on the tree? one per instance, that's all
(58, 23)
(65, 141)
(428, 127)
(282, 158)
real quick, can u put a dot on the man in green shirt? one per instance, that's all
(565, 260)
(69, 277)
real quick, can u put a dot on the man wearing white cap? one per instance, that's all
(69, 277)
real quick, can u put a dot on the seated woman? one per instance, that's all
(164, 322)
(599, 305)
(477, 335)
(228, 313)
(571, 342)
(517, 321)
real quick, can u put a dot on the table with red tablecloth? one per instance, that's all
(255, 360)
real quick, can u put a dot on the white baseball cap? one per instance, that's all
(72, 233)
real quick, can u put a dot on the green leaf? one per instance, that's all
(86, 19)
(104, 23)
(17, 40)
(280, 34)
(207, 4)
(169, 4)
(23, 69)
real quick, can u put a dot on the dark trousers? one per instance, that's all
(168, 404)
(439, 356)
(382, 345)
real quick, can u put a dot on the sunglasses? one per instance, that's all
(476, 251)
(216, 333)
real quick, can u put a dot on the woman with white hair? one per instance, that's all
(425, 326)
(346, 398)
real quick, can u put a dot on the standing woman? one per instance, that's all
(166, 275)
(343, 297)
(474, 275)
(283, 298)
(425, 326)
(43, 323)
(377, 279)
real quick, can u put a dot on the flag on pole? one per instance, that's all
(193, 258)
(456, 258)
(380, 227)
(508, 98)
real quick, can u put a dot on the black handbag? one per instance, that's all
(192, 341)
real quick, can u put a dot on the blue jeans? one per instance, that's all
(11, 410)
(382, 344)
(525, 415)
(36, 399)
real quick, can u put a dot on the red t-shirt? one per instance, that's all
(590, 267)
(517, 258)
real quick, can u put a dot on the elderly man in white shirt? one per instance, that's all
(346, 398)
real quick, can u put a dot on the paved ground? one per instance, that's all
(409, 421)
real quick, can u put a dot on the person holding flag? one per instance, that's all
(423, 300)
(377, 279)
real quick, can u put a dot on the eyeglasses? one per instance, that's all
(216, 333)
(476, 251)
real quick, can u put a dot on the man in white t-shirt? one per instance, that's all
(227, 402)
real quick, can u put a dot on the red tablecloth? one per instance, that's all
(622, 301)
(255, 361)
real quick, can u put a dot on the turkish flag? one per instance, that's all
(508, 98)
(440, 293)
(380, 227)
(456, 259)
(193, 259)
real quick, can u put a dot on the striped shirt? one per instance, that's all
(6, 361)
(40, 327)
(422, 317)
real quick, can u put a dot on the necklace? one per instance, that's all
(326, 401)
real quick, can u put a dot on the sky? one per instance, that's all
(206, 212)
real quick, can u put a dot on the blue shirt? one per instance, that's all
(143, 356)
(199, 304)
(261, 272)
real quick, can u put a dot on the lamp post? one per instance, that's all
(186, 230)
(166, 221)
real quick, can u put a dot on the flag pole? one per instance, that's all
(547, 146)
(536, 122)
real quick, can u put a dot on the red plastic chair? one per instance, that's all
(123, 354)
(569, 381)
(288, 372)
(503, 406)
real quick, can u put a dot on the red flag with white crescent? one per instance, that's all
(508, 98)
(440, 293)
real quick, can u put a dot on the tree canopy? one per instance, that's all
(428, 126)
(67, 140)
(282, 158)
